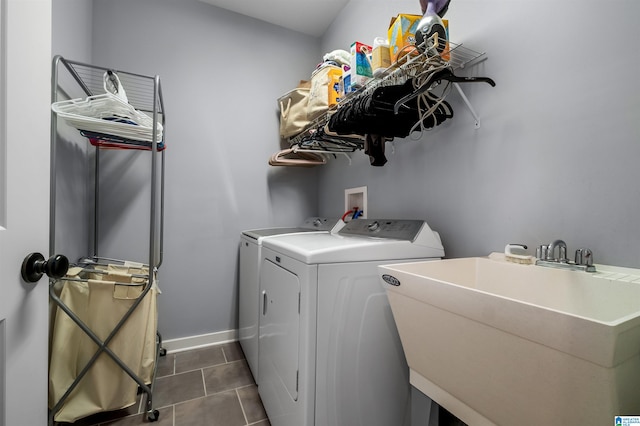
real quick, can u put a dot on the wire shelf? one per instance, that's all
(459, 57)
(462, 56)
(140, 88)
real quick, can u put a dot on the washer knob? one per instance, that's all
(373, 226)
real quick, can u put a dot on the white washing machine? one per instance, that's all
(249, 291)
(330, 354)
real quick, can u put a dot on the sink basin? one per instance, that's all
(496, 342)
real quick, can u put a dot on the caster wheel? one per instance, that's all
(153, 416)
(163, 352)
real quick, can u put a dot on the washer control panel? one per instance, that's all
(383, 228)
(319, 223)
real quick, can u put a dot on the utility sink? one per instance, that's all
(501, 343)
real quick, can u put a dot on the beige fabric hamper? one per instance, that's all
(100, 302)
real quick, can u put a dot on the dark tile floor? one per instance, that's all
(211, 386)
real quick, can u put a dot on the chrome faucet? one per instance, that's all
(562, 251)
(546, 256)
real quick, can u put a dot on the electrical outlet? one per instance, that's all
(356, 197)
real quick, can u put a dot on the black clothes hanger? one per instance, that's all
(447, 74)
(436, 77)
(320, 140)
(374, 113)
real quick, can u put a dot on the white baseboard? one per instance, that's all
(201, 341)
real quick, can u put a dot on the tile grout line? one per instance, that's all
(173, 373)
(174, 414)
(246, 420)
(204, 383)
(140, 409)
(173, 406)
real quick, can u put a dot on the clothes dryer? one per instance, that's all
(248, 292)
(330, 354)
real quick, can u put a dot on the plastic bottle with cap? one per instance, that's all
(381, 58)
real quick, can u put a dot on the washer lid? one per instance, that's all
(269, 232)
(311, 224)
(312, 248)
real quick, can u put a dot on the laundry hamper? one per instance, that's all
(100, 298)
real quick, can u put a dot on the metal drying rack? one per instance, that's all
(144, 94)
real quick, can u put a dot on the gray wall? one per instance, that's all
(72, 29)
(71, 38)
(221, 74)
(556, 155)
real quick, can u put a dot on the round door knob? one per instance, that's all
(35, 266)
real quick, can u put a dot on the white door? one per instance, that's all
(279, 330)
(278, 360)
(25, 87)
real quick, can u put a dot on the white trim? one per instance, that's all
(3, 364)
(3, 118)
(200, 341)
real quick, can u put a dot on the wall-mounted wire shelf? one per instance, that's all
(455, 56)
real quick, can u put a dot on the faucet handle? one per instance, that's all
(579, 257)
(584, 256)
(541, 252)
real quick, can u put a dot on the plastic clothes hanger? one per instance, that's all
(111, 84)
(304, 158)
(433, 110)
(448, 75)
(436, 77)
(109, 113)
(320, 140)
(323, 152)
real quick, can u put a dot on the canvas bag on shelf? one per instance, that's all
(293, 110)
(321, 82)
